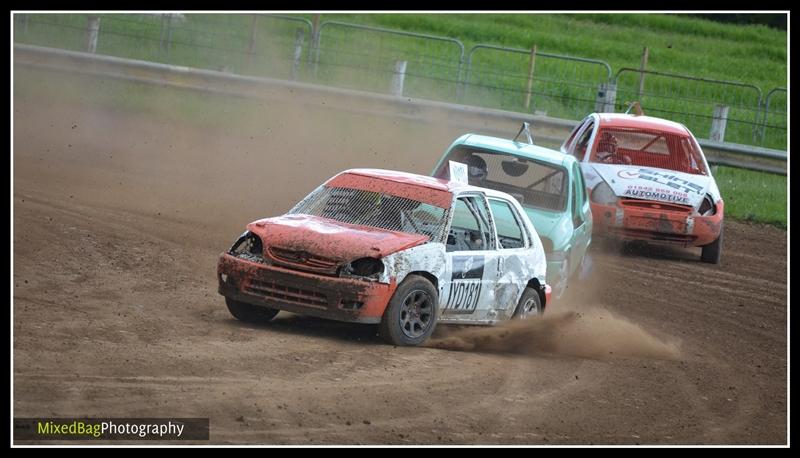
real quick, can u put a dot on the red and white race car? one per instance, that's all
(648, 180)
(403, 250)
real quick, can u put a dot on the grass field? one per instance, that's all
(363, 59)
(753, 196)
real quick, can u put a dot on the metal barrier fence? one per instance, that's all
(695, 102)
(256, 44)
(528, 80)
(774, 121)
(378, 59)
(417, 65)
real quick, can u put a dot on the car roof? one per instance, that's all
(642, 122)
(425, 181)
(523, 150)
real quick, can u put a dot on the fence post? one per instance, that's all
(315, 37)
(165, 39)
(169, 33)
(398, 77)
(92, 31)
(643, 67)
(24, 22)
(298, 51)
(530, 77)
(162, 46)
(251, 46)
(718, 123)
(606, 98)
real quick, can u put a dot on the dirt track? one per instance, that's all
(118, 221)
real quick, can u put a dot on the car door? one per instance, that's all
(513, 243)
(471, 262)
(581, 216)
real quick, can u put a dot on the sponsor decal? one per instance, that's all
(656, 194)
(465, 285)
(628, 174)
(458, 172)
(671, 180)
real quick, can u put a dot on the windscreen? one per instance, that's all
(648, 148)
(374, 209)
(532, 183)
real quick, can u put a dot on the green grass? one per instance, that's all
(751, 54)
(753, 196)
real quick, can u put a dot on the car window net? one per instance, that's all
(648, 148)
(532, 183)
(374, 209)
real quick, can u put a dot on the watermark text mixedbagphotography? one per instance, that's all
(111, 428)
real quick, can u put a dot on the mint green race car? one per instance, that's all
(547, 183)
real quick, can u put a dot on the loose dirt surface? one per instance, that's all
(119, 219)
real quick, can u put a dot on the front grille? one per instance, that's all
(280, 292)
(660, 206)
(304, 259)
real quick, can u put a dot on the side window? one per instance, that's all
(509, 229)
(578, 195)
(570, 141)
(469, 230)
(579, 150)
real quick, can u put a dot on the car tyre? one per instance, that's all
(410, 316)
(530, 305)
(251, 313)
(712, 253)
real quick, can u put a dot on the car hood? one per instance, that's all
(331, 239)
(650, 183)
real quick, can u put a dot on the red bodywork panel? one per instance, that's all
(660, 223)
(302, 292)
(642, 122)
(432, 191)
(331, 239)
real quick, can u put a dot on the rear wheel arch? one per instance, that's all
(534, 284)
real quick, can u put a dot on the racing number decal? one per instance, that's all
(465, 285)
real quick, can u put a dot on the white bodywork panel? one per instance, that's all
(649, 183)
(476, 286)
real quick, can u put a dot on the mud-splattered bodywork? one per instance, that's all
(343, 250)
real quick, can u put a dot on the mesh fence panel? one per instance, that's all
(561, 86)
(691, 101)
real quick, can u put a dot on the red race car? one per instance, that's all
(648, 180)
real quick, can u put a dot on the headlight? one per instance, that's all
(707, 208)
(247, 243)
(604, 195)
(364, 267)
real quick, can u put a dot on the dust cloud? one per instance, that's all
(596, 333)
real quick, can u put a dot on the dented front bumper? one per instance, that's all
(335, 298)
(657, 226)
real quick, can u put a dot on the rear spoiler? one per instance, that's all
(526, 129)
(636, 106)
